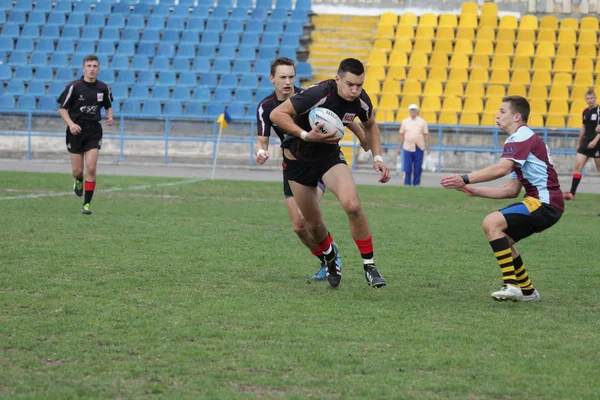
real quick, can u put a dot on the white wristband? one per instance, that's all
(303, 135)
(377, 158)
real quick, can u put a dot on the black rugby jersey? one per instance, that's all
(84, 100)
(590, 122)
(324, 94)
(263, 115)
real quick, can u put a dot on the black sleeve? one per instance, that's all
(108, 98)
(263, 119)
(366, 107)
(309, 98)
(66, 97)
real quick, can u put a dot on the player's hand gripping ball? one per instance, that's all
(328, 121)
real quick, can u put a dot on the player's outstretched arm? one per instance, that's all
(490, 173)
(360, 135)
(374, 136)
(262, 150)
(509, 190)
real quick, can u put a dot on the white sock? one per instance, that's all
(328, 251)
(368, 261)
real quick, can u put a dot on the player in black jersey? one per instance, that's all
(80, 106)
(588, 144)
(310, 155)
(283, 75)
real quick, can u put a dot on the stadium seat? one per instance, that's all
(47, 103)
(161, 93)
(454, 89)
(555, 121)
(26, 102)
(151, 107)
(36, 88)
(562, 78)
(139, 92)
(448, 118)
(43, 74)
(469, 119)
(517, 89)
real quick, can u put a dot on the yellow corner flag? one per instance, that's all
(224, 119)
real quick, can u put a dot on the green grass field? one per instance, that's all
(198, 290)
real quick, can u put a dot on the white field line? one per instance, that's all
(115, 189)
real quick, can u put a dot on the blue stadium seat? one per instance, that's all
(30, 31)
(241, 67)
(195, 24)
(263, 92)
(19, 58)
(283, 4)
(142, 9)
(117, 21)
(237, 110)
(36, 88)
(295, 27)
(96, 20)
(225, 3)
(6, 44)
(228, 81)
(75, 19)
(247, 53)
(222, 65)
(254, 27)
(234, 28)
(194, 108)
(64, 74)
(82, 7)
(223, 95)
(7, 102)
(262, 67)
(15, 88)
(176, 23)
(303, 70)
(90, 33)
(126, 48)
(188, 79)
(161, 93)
(5, 73)
(131, 35)
(131, 106)
(42, 6)
(201, 12)
(201, 65)
(249, 81)
(181, 93)
(240, 13)
(209, 79)
(48, 103)
(274, 27)
(303, 5)
(186, 50)
(44, 74)
(120, 91)
(23, 73)
(219, 12)
(215, 25)
(181, 10)
(140, 63)
(279, 14)
(271, 40)
(190, 37)
(10, 30)
(207, 50)
(86, 47)
(213, 110)
(167, 78)
(26, 102)
(291, 40)
(2, 17)
(111, 34)
(17, 17)
(243, 96)
(120, 62)
(230, 40)
(250, 39)
(104, 8)
(181, 64)
(137, 22)
(66, 46)
(107, 76)
(161, 63)
(147, 49)
(39, 59)
(170, 36)
(150, 35)
(202, 95)
(146, 77)
(167, 50)
(51, 31)
(63, 6)
(259, 15)
(267, 52)
(227, 52)
(127, 77)
(289, 52)
(299, 15)
(70, 32)
(106, 47)
(245, 4)
(152, 108)
(56, 88)
(161, 9)
(121, 8)
(58, 60)
(139, 92)
(24, 44)
(264, 4)
(209, 38)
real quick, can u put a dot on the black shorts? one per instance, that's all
(528, 217)
(591, 153)
(287, 190)
(309, 173)
(89, 138)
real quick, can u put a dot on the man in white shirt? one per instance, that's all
(412, 143)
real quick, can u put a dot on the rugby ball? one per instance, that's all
(328, 121)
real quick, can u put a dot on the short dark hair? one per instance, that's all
(351, 65)
(91, 57)
(591, 92)
(520, 105)
(282, 61)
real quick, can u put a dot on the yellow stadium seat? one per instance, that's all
(407, 100)
(412, 87)
(563, 64)
(425, 32)
(372, 86)
(444, 33)
(501, 62)
(562, 78)
(438, 73)
(473, 105)
(479, 75)
(458, 75)
(448, 118)
(528, 22)
(430, 117)
(443, 46)
(538, 106)
(549, 22)
(452, 103)
(454, 89)
(438, 60)
(463, 46)
(521, 62)
(587, 50)
(391, 86)
(433, 88)
(578, 93)
(584, 64)
(517, 89)
(492, 105)
(499, 77)
(583, 79)
(375, 102)
(418, 60)
(574, 122)
(587, 37)
(488, 20)
(542, 63)
(489, 8)
(542, 78)
(555, 121)
(431, 103)
(504, 48)
(566, 49)
(535, 120)
(376, 72)
(428, 19)
(589, 24)
(383, 116)
(489, 119)
(398, 59)
(408, 19)
(402, 114)
(465, 33)
(538, 91)
(468, 21)
(546, 35)
(495, 91)
(403, 44)
(377, 57)
(567, 36)
(526, 35)
(385, 32)
(578, 106)
(474, 90)
(506, 35)
(485, 33)
(469, 7)
(388, 18)
(508, 22)
(388, 102)
(382, 44)
(423, 46)
(480, 61)
(469, 119)
(396, 72)
(544, 49)
(559, 92)
(569, 23)
(459, 61)
(484, 47)
(448, 20)
(525, 49)
(417, 74)
(521, 76)
(404, 31)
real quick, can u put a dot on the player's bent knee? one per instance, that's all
(492, 223)
(352, 207)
